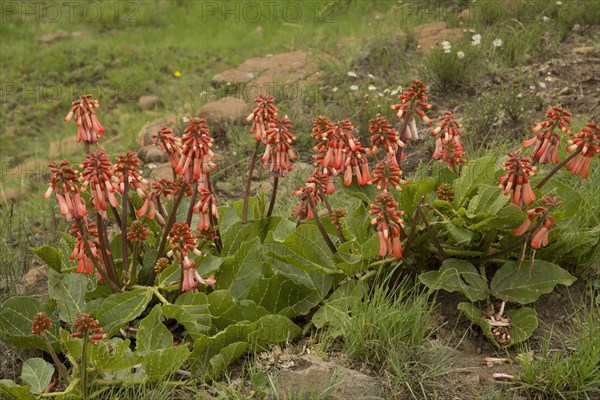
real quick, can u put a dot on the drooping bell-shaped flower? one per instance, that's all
(387, 173)
(264, 112)
(126, 166)
(184, 241)
(447, 144)
(169, 144)
(516, 181)
(98, 175)
(65, 185)
(587, 143)
(384, 136)
(196, 154)
(89, 128)
(412, 101)
(387, 219)
(278, 155)
(546, 139)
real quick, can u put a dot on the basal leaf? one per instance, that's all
(37, 374)
(121, 308)
(412, 193)
(457, 276)
(520, 283)
(334, 311)
(11, 391)
(16, 320)
(68, 289)
(152, 333)
(112, 355)
(191, 311)
(489, 199)
(274, 329)
(161, 363)
(226, 311)
(240, 271)
(238, 234)
(523, 322)
(458, 235)
(473, 174)
(50, 255)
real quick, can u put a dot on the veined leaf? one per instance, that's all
(37, 374)
(238, 234)
(152, 333)
(68, 289)
(50, 255)
(334, 312)
(241, 271)
(227, 311)
(457, 276)
(412, 193)
(120, 308)
(112, 355)
(191, 311)
(520, 283)
(489, 199)
(458, 235)
(473, 174)
(16, 321)
(11, 391)
(274, 329)
(161, 363)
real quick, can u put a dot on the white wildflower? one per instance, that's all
(497, 42)
(372, 88)
(354, 88)
(460, 54)
(475, 39)
(334, 89)
(352, 74)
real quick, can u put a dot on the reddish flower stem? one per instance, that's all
(330, 211)
(105, 244)
(249, 181)
(124, 222)
(273, 196)
(402, 129)
(557, 167)
(324, 233)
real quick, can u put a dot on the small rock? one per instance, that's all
(584, 49)
(320, 376)
(144, 137)
(162, 171)
(150, 103)
(34, 282)
(428, 35)
(8, 195)
(55, 36)
(576, 28)
(152, 154)
(222, 113)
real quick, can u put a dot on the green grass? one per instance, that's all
(572, 372)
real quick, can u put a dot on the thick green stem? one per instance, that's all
(249, 181)
(62, 370)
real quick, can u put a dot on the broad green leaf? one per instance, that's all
(226, 311)
(120, 308)
(191, 311)
(313, 280)
(115, 248)
(238, 234)
(112, 355)
(240, 271)
(209, 264)
(458, 235)
(152, 333)
(68, 289)
(161, 363)
(280, 295)
(11, 391)
(232, 214)
(349, 258)
(355, 226)
(206, 348)
(334, 312)
(220, 361)
(274, 329)
(37, 374)
(412, 193)
(473, 174)
(169, 275)
(16, 321)
(50, 255)
(457, 276)
(508, 217)
(523, 322)
(279, 228)
(522, 284)
(489, 199)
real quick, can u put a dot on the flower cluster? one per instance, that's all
(206, 207)
(386, 174)
(384, 136)
(125, 168)
(196, 154)
(84, 264)
(88, 126)
(540, 236)
(447, 144)
(183, 241)
(169, 144)
(389, 224)
(546, 139)
(137, 232)
(97, 173)
(264, 112)
(41, 323)
(64, 184)
(516, 181)
(87, 326)
(412, 101)
(278, 154)
(587, 145)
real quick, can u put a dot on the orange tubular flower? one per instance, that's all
(383, 135)
(278, 154)
(206, 206)
(264, 112)
(388, 173)
(389, 224)
(196, 154)
(452, 152)
(516, 181)
(547, 140)
(64, 185)
(447, 144)
(586, 140)
(84, 264)
(412, 101)
(169, 144)
(98, 174)
(88, 126)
